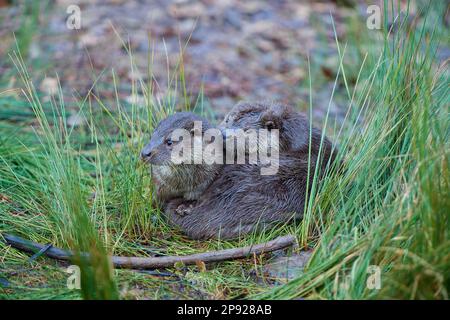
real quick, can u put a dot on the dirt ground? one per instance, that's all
(253, 50)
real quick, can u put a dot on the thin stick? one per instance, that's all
(158, 262)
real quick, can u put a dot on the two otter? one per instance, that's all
(228, 200)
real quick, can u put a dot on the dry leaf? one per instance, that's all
(200, 265)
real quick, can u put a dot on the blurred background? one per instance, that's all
(231, 50)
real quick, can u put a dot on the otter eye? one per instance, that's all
(270, 125)
(169, 142)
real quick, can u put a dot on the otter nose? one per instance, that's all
(147, 153)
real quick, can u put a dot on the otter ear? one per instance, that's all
(293, 126)
(193, 129)
(270, 121)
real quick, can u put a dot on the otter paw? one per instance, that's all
(183, 209)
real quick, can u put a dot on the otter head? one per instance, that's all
(292, 125)
(172, 173)
(159, 151)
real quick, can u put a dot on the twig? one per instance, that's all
(159, 262)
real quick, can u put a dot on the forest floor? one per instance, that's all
(232, 50)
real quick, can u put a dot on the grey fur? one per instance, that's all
(242, 200)
(238, 199)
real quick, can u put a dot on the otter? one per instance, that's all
(241, 200)
(185, 181)
(233, 200)
(293, 126)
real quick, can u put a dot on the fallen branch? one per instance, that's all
(156, 262)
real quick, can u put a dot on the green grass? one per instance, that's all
(387, 206)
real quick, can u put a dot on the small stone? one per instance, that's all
(193, 10)
(89, 40)
(135, 99)
(49, 86)
(76, 120)
(287, 267)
